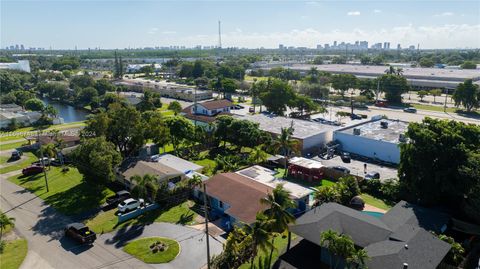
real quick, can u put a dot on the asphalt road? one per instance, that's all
(42, 226)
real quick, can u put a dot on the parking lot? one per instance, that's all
(357, 167)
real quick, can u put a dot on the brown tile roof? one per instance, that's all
(65, 138)
(215, 104)
(142, 168)
(240, 193)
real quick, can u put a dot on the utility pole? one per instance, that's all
(42, 161)
(206, 223)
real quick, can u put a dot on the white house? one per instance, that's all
(205, 113)
(22, 65)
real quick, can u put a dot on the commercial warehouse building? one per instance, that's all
(416, 77)
(312, 135)
(377, 139)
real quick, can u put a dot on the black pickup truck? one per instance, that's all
(80, 233)
(119, 197)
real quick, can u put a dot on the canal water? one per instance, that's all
(67, 112)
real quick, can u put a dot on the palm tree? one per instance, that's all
(326, 194)
(258, 235)
(254, 92)
(285, 144)
(144, 185)
(278, 202)
(195, 181)
(257, 155)
(358, 259)
(342, 246)
(4, 222)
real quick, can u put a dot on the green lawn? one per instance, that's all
(4, 159)
(165, 111)
(28, 161)
(13, 145)
(250, 78)
(29, 131)
(324, 182)
(68, 193)
(433, 108)
(106, 222)
(13, 254)
(374, 201)
(140, 249)
(208, 165)
(280, 244)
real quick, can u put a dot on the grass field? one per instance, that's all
(13, 145)
(107, 221)
(250, 78)
(13, 254)
(29, 131)
(68, 193)
(368, 199)
(30, 158)
(140, 249)
(433, 108)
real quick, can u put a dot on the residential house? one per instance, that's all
(205, 113)
(400, 239)
(166, 168)
(235, 197)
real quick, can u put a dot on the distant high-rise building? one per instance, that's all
(281, 47)
(12, 47)
(334, 43)
(386, 45)
(319, 47)
(377, 46)
(399, 47)
(326, 46)
(411, 47)
(17, 47)
(22, 47)
(364, 44)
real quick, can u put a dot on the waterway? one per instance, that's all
(67, 112)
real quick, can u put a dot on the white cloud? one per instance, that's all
(434, 37)
(444, 14)
(168, 32)
(152, 30)
(377, 11)
(353, 13)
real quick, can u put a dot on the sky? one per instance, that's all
(108, 24)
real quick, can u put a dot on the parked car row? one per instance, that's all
(324, 121)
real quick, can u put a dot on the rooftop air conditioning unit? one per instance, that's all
(384, 124)
(356, 131)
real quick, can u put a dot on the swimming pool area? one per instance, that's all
(374, 214)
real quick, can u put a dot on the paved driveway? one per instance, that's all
(42, 226)
(193, 251)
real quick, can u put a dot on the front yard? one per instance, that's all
(68, 193)
(29, 159)
(13, 254)
(106, 221)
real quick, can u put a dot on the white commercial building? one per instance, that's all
(312, 135)
(22, 65)
(376, 139)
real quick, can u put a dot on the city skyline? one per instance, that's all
(254, 24)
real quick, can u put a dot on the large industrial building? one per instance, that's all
(376, 139)
(22, 65)
(312, 135)
(416, 77)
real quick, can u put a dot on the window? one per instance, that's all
(220, 204)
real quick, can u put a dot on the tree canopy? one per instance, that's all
(467, 94)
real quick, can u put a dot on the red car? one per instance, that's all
(381, 104)
(32, 170)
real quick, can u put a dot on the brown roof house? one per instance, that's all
(206, 112)
(235, 197)
(165, 167)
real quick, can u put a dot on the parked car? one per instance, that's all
(345, 157)
(32, 170)
(341, 169)
(16, 155)
(381, 104)
(129, 205)
(80, 233)
(119, 197)
(372, 175)
(355, 117)
(410, 110)
(45, 161)
(251, 109)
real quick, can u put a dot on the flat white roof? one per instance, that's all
(307, 163)
(303, 128)
(177, 163)
(266, 176)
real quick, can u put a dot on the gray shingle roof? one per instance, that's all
(364, 229)
(406, 213)
(390, 241)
